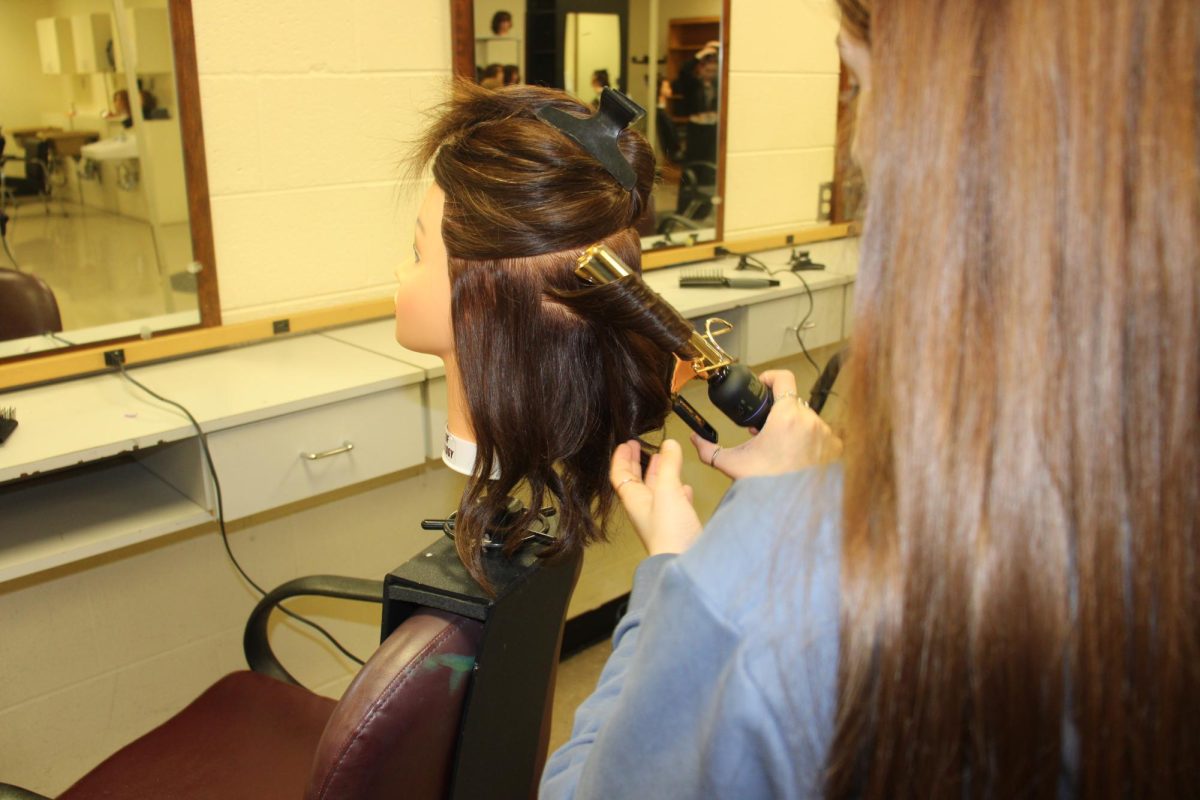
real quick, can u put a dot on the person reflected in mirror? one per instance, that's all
(697, 88)
(502, 23)
(994, 591)
(698, 83)
(599, 81)
(492, 76)
(668, 134)
(121, 106)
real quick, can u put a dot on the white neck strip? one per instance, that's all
(459, 455)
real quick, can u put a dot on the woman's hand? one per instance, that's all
(658, 504)
(793, 437)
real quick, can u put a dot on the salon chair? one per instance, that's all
(27, 306)
(36, 181)
(697, 176)
(455, 702)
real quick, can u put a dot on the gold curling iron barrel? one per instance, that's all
(732, 387)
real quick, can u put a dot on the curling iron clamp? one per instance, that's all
(732, 387)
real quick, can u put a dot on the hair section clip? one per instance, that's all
(598, 133)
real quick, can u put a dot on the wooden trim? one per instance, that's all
(83, 361)
(657, 259)
(462, 38)
(723, 118)
(195, 167)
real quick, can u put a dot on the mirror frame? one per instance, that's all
(195, 165)
(84, 360)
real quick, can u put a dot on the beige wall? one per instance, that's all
(307, 106)
(783, 78)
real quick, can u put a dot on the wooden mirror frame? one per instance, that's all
(195, 166)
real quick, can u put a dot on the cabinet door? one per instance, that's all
(91, 34)
(55, 45)
(267, 464)
(771, 327)
(152, 40)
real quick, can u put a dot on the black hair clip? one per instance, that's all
(598, 133)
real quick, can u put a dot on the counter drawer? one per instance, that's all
(262, 465)
(770, 328)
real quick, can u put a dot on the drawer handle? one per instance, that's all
(808, 326)
(346, 448)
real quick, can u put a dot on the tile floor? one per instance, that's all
(103, 267)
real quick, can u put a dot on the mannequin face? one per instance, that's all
(423, 299)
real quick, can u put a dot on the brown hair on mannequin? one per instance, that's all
(555, 373)
(1020, 549)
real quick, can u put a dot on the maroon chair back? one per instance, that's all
(27, 306)
(393, 732)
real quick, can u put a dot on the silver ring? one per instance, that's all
(712, 462)
(799, 399)
(617, 488)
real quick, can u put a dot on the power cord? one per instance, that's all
(212, 471)
(800, 325)
(749, 261)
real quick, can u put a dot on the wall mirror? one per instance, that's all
(668, 55)
(103, 181)
(640, 60)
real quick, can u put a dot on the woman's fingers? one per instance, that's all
(670, 466)
(625, 465)
(780, 381)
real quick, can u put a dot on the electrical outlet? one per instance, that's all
(114, 358)
(825, 202)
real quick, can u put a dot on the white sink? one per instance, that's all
(117, 149)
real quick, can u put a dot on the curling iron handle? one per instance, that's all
(741, 395)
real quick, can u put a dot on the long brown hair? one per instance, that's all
(556, 374)
(1019, 577)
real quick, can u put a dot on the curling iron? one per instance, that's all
(732, 387)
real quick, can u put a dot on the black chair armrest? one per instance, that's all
(255, 642)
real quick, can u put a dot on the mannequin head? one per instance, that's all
(554, 373)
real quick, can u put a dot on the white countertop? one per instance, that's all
(840, 257)
(83, 420)
(380, 337)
